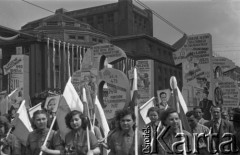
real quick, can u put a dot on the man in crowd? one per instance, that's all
(219, 127)
(225, 115)
(199, 115)
(197, 128)
(206, 105)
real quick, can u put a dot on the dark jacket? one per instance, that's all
(225, 127)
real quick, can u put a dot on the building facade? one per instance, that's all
(132, 30)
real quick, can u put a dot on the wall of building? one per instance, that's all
(117, 19)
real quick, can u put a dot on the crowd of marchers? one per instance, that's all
(82, 140)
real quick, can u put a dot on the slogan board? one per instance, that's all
(116, 93)
(145, 83)
(195, 57)
(18, 70)
(112, 52)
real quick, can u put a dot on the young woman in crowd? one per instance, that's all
(37, 137)
(76, 140)
(155, 126)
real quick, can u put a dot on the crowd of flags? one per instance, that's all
(70, 100)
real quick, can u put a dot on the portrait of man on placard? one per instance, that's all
(163, 97)
(51, 103)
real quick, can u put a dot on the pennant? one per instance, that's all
(102, 121)
(22, 124)
(35, 108)
(69, 101)
(144, 109)
(100, 115)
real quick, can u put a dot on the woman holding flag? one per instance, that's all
(76, 141)
(122, 141)
(37, 137)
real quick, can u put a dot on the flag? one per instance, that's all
(144, 109)
(69, 101)
(35, 108)
(22, 124)
(182, 107)
(101, 117)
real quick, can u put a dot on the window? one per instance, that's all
(72, 37)
(81, 38)
(135, 18)
(90, 20)
(100, 40)
(69, 24)
(140, 22)
(100, 19)
(110, 17)
(159, 52)
(94, 39)
(52, 23)
(144, 23)
(150, 47)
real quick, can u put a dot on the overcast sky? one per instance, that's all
(220, 18)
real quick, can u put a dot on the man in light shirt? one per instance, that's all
(197, 128)
(199, 115)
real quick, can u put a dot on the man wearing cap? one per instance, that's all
(206, 105)
(10, 145)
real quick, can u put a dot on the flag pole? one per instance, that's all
(85, 100)
(50, 129)
(135, 109)
(173, 84)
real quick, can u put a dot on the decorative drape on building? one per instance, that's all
(80, 57)
(59, 64)
(64, 62)
(54, 64)
(72, 59)
(48, 63)
(77, 63)
(68, 59)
